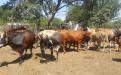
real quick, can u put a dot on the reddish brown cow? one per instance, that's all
(76, 37)
(64, 37)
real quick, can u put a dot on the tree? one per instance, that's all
(50, 8)
(6, 9)
(95, 11)
(75, 13)
(104, 11)
(56, 22)
(25, 10)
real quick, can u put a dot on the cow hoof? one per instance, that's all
(35, 56)
(4, 64)
(77, 50)
(20, 63)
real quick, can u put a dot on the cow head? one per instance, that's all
(3, 40)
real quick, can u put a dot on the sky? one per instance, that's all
(61, 13)
(3, 2)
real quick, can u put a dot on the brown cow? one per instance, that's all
(70, 36)
(64, 37)
(18, 41)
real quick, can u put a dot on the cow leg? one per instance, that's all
(89, 44)
(114, 45)
(57, 51)
(20, 58)
(31, 51)
(42, 50)
(118, 48)
(57, 55)
(104, 45)
(110, 45)
(37, 44)
(63, 46)
(78, 47)
(20, 51)
(51, 52)
(98, 45)
(25, 51)
(69, 44)
(94, 45)
(74, 45)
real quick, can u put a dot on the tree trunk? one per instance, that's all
(50, 20)
(88, 7)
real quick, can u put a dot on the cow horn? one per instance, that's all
(51, 41)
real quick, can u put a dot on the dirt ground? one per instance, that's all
(72, 63)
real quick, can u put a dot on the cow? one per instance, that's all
(1, 39)
(11, 28)
(64, 38)
(50, 39)
(73, 37)
(119, 43)
(19, 42)
(117, 37)
(104, 36)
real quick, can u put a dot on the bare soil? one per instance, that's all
(71, 63)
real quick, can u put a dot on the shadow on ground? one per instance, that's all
(116, 59)
(46, 58)
(25, 57)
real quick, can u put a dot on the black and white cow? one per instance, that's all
(50, 39)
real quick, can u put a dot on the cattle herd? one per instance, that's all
(20, 39)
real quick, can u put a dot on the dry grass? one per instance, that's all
(71, 63)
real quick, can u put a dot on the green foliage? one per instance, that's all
(104, 12)
(42, 12)
(21, 11)
(25, 10)
(94, 12)
(51, 7)
(31, 10)
(75, 14)
(43, 22)
(118, 23)
(55, 22)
